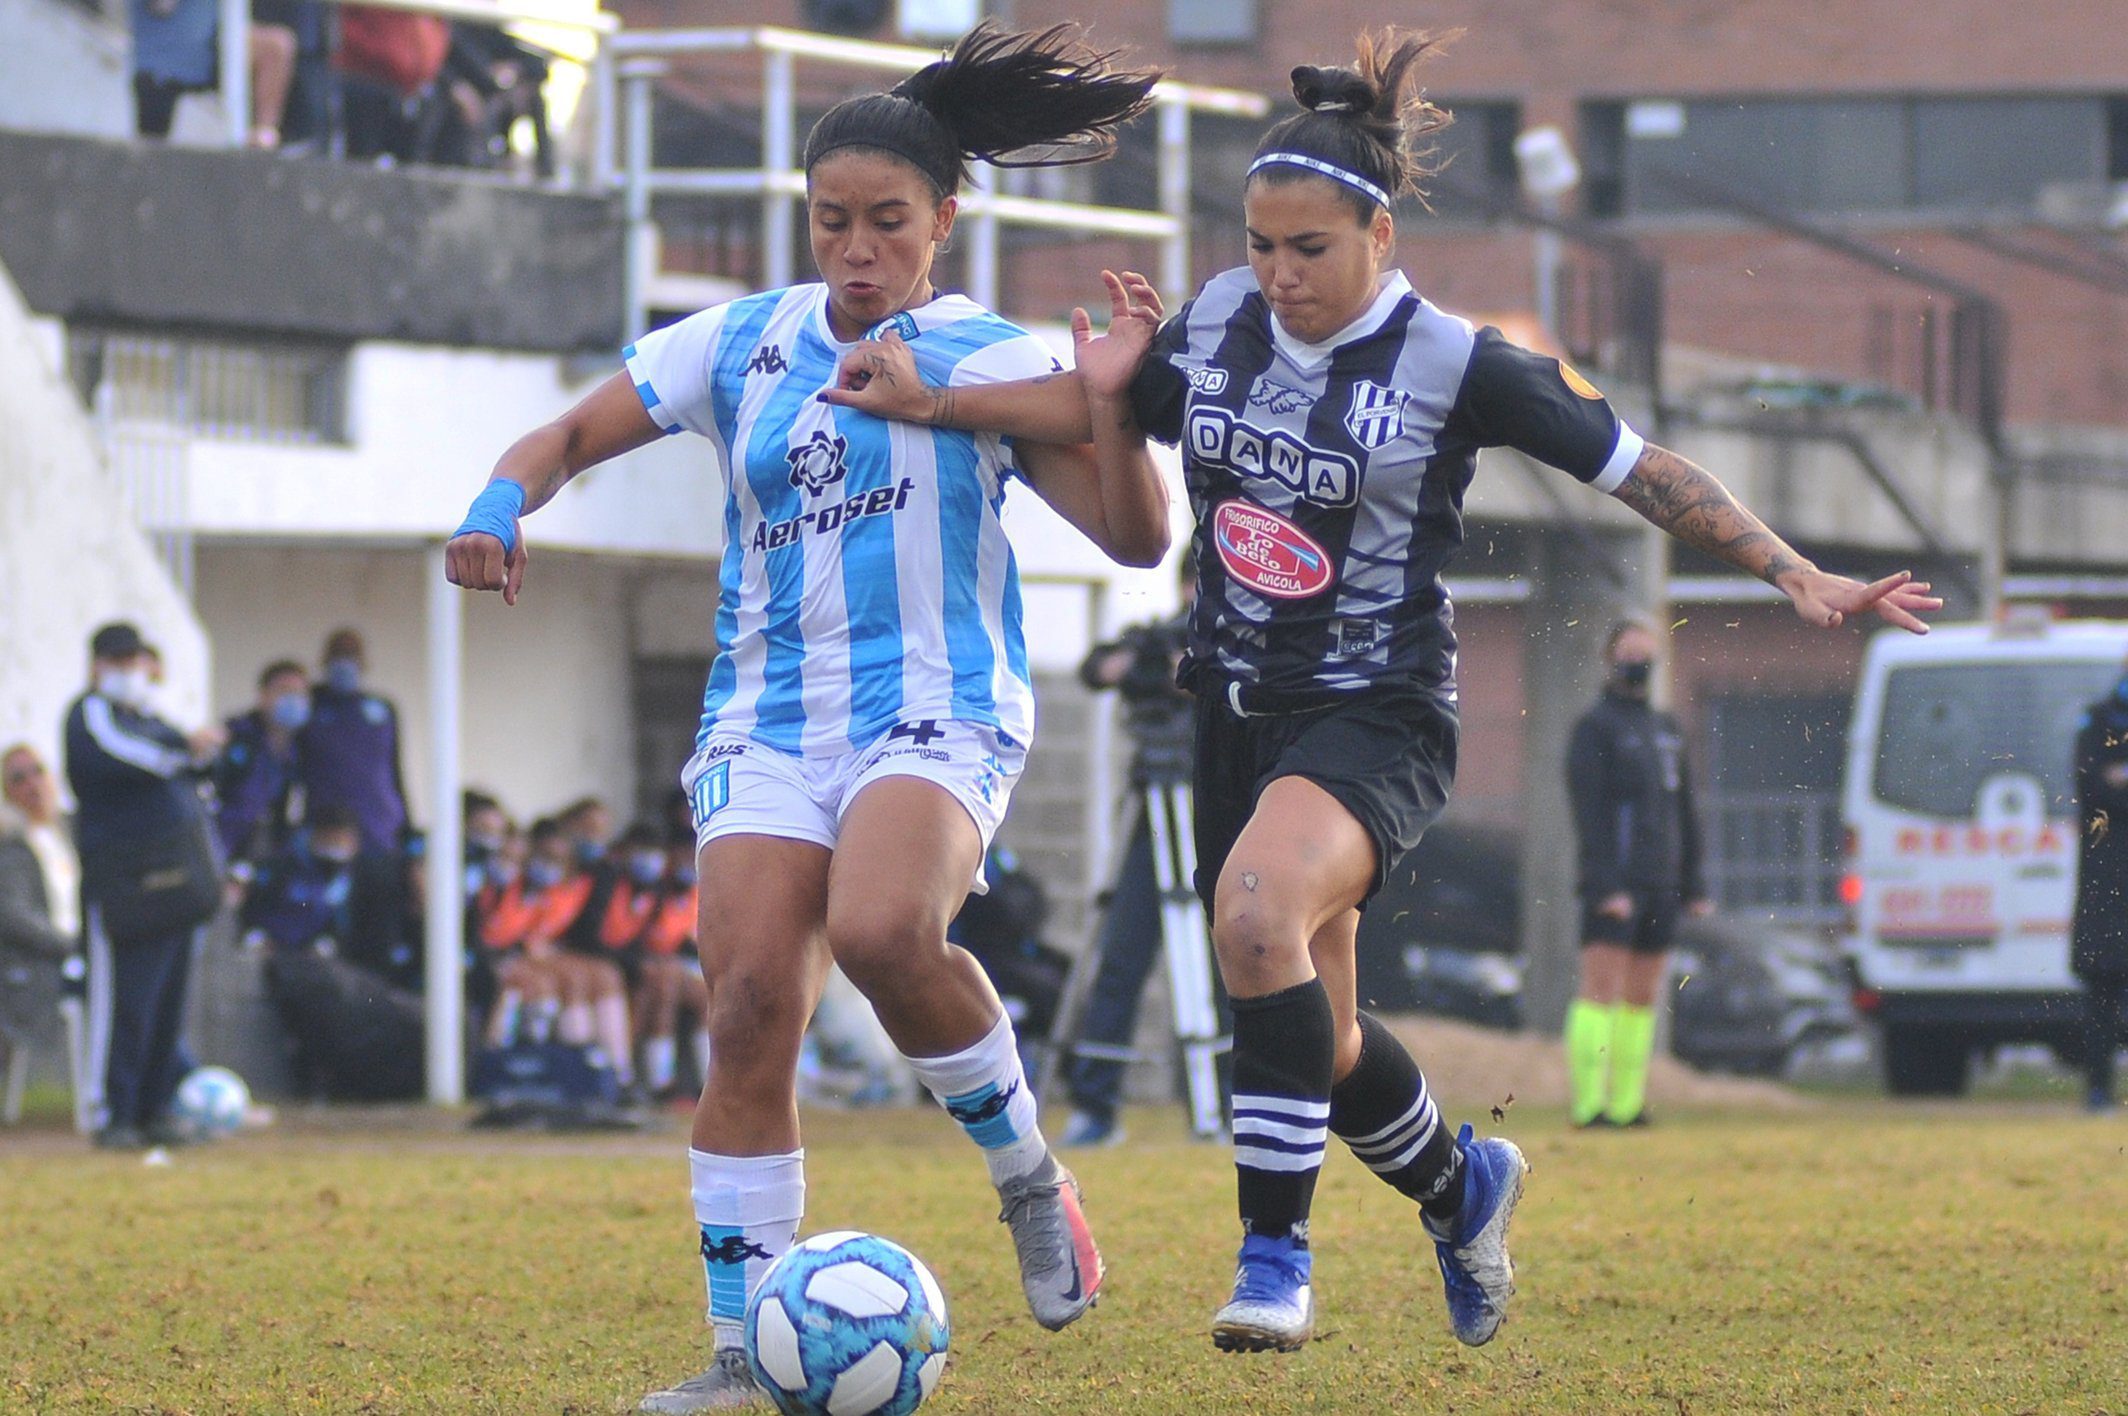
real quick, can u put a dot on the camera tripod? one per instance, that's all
(1185, 943)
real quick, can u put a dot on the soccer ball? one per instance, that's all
(211, 1102)
(847, 1324)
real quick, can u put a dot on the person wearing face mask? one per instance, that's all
(150, 879)
(1640, 870)
(670, 956)
(259, 800)
(626, 897)
(350, 746)
(331, 917)
(2099, 951)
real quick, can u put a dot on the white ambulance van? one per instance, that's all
(1960, 810)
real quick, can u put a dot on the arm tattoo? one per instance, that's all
(1689, 503)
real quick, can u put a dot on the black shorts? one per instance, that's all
(1647, 931)
(1388, 756)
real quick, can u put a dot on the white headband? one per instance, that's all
(1328, 169)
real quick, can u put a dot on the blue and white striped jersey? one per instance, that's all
(866, 580)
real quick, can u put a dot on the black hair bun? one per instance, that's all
(1334, 90)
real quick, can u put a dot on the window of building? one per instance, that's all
(1770, 811)
(1479, 150)
(256, 392)
(1828, 155)
(1211, 21)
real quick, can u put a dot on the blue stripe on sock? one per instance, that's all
(727, 1276)
(985, 1114)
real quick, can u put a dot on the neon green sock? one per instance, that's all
(1632, 1044)
(1588, 1048)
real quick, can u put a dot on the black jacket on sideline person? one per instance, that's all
(132, 775)
(1632, 796)
(2101, 935)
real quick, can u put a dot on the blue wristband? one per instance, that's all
(495, 512)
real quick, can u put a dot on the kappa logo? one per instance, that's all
(1275, 397)
(989, 1108)
(733, 1249)
(1377, 414)
(768, 359)
(819, 464)
(1206, 380)
(1267, 553)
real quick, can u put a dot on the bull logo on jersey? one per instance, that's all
(819, 464)
(1267, 553)
(1377, 414)
(1275, 397)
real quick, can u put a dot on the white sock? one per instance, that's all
(578, 1028)
(659, 1054)
(702, 1056)
(747, 1208)
(984, 1089)
(542, 1025)
(610, 1017)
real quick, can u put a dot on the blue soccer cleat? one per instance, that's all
(1472, 1248)
(1273, 1308)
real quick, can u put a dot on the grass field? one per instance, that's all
(1851, 1257)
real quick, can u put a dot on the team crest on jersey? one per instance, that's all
(1377, 415)
(1206, 380)
(1267, 553)
(1275, 397)
(903, 325)
(819, 464)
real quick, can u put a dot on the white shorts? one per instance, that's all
(739, 787)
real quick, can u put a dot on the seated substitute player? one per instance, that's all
(869, 707)
(1329, 420)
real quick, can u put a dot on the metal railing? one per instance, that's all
(1774, 854)
(630, 63)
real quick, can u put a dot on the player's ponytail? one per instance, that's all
(1367, 126)
(1016, 100)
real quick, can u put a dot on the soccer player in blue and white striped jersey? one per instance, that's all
(869, 706)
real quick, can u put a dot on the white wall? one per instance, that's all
(62, 71)
(70, 557)
(547, 682)
(425, 427)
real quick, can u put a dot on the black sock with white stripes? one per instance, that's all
(1383, 1113)
(1284, 1055)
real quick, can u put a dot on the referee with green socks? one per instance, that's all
(1640, 870)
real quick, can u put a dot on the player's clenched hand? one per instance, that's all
(477, 561)
(1829, 601)
(879, 377)
(1109, 363)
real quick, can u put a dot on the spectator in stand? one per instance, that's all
(388, 61)
(259, 796)
(333, 916)
(350, 747)
(149, 880)
(588, 822)
(173, 55)
(488, 834)
(672, 975)
(493, 81)
(547, 989)
(274, 47)
(624, 904)
(40, 876)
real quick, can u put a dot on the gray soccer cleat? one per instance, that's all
(728, 1385)
(1472, 1248)
(1060, 1269)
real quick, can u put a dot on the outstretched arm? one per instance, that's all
(608, 422)
(880, 377)
(1687, 501)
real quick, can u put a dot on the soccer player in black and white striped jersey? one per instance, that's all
(1329, 420)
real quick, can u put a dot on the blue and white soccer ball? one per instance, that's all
(847, 1324)
(211, 1102)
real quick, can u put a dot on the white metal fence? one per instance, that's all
(1774, 854)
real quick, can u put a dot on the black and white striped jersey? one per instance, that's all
(1328, 480)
